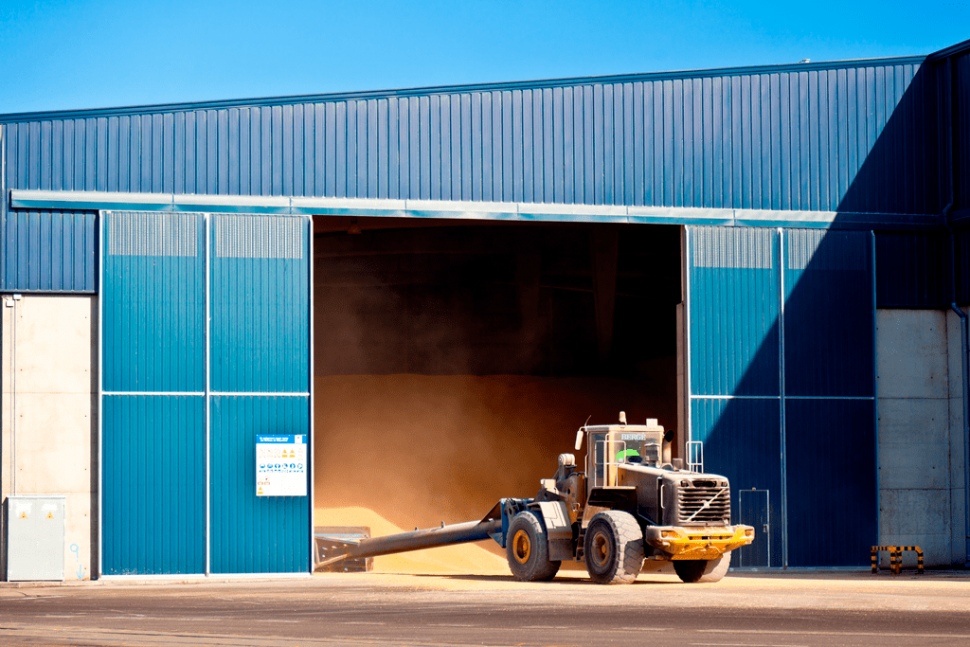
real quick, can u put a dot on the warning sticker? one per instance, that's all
(281, 465)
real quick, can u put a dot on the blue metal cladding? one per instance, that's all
(153, 302)
(742, 442)
(251, 534)
(963, 266)
(260, 308)
(830, 445)
(48, 251)
(912, 270)
(734, 306)
(153, 485)
(850, 137)
(961, 129)
(829, 317)
(155, 298)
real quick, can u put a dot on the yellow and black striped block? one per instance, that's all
(896, 557)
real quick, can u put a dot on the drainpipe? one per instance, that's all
(964, 327)
(965, 362)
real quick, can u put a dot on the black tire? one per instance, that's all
(613, 548)
(704, 571)
(527, 549)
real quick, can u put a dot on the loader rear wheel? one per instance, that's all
(696, 570)
(613, 548)
(527, 549)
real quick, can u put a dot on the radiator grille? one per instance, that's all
(710, 504)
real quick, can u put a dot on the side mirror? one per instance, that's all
(579, 440)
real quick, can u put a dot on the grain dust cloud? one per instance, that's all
(453, 364)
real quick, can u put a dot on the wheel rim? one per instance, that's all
(521, 547)
(600, 549)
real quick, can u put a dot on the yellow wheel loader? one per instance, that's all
(632, 509)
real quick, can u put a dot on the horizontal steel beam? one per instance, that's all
(515, 211)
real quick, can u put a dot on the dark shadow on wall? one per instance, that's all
(901, 173)
(824, 426)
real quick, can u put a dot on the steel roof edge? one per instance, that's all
(541, 84)
(39, 200)
(952, 50)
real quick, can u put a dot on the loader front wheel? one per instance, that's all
(695, 570)
(527, 549)
(613, 548)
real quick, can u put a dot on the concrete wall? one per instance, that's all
(920, 433)
(49, 409)
(958, 440)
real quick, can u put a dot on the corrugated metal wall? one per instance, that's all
(854, 137)
(733, 300)
(171, 300)
(742, 441)
(830, 448)
(734, 286)
(796, 138)
(153, 485)
(963, 267)
(755, 408)
(828, 313)
(154, 303)
(260, 347)
(829, 324)
(153, 436)
(961, 129)
(912, 270)
(253, 534)
(254, 340)
(48, 251)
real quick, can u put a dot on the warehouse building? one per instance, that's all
(421, 294)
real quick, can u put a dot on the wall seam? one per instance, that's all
(782, 418)
(102, 216)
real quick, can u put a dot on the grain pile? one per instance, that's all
(418, 450)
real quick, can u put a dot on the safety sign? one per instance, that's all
(281, 465)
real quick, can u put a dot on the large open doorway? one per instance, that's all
(454, 360)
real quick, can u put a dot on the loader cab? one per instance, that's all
(609, 446)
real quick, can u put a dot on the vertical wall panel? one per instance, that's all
(260, 343)
(912, 270)
(48, 251)
(154, 328)
(153, 485)
(734, 311)
(153, 446)
(251, 534)
(154, 302)
(831, 481)
(828, 313)
(823, 409)
(961, 129)
(963, 266)
(260, 304)
(742, 442)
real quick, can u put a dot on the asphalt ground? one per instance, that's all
(752, 609)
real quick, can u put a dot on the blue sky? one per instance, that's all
(69, 54)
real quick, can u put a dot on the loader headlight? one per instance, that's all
(669, 534)
(749, 532)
